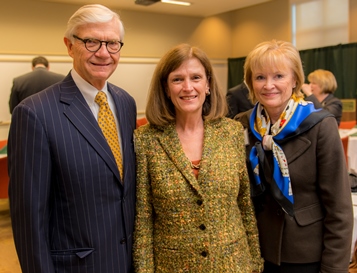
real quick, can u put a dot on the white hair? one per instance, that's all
(92, 14)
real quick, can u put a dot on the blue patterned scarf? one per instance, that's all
(298, 116)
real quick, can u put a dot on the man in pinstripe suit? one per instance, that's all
(71, 210)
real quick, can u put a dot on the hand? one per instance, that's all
(306, 89)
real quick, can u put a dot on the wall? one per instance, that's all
(132, 74)
(353, 21)
(252, 25)
(30, 28)
(146, 34)
(147, 39)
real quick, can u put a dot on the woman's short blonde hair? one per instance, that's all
(325, 79)
(274, 54)
(159, 109)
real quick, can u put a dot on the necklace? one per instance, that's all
(195, 166)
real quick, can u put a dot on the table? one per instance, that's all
(351, 152)
(354, 234)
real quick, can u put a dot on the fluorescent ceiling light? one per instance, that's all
(176, 2)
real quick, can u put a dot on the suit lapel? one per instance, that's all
(297, 146)
(209, 149)
(127, 122)
(79, 114)
(171, 144)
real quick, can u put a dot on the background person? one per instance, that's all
(300, 186)
(194, 212)
(320, 91)
(71, 209)
(30, 83)
(238, 100)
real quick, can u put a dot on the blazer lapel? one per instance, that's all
(209, 149)
(171, 144)
(79, 114)
(297, 146)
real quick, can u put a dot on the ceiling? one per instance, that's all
(199, 8)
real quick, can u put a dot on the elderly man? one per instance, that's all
(72, 184)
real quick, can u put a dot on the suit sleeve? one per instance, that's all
(232, 104)
(143, 236)
(336, 199)
(29, 171)
(14, 99)
(246, 207)
(334, 107)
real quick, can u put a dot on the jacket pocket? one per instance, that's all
(73, 260)
(79, 252)
(309, 215)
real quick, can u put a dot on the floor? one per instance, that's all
(8, 258)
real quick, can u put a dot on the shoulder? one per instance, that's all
(145, 136)
(24, 76)
(56, 75)
(331, 99)
(147, 132)
(244, 117)
(223, 128)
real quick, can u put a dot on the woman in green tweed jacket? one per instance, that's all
(194, 212)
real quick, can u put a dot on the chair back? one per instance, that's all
(347, 124)
(140, 122)
(345, 147)
(4, 178)
(3, 143)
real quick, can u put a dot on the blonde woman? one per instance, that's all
(299, 180)
(320, 91)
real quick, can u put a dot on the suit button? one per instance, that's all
(122, 241)
(199, 202)
(204, 254)
(202, 227)
(279, 212)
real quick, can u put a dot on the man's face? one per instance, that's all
(95, 67)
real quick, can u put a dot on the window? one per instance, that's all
(319, 23)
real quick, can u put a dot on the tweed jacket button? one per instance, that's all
(204, 254)
(199, 202)
(202, 227)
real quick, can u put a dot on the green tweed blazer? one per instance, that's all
(184, 224)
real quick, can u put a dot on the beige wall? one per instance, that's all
(259, 23)
(33, 27)
(29, 28)
(353, 21)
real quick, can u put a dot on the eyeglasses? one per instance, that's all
(93, 45)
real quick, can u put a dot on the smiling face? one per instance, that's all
(273, 87)
(187, 87)
(95, 67)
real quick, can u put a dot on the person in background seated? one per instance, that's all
(320, 91)
(238, 100)
(194, 211)
(28, 84)
(72, 183)
(300, 185)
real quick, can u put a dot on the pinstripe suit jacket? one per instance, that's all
(70, 212)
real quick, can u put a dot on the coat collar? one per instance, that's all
(170, 142)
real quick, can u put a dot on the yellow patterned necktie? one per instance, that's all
(106, 122)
